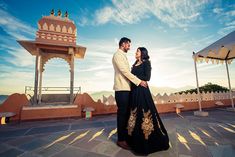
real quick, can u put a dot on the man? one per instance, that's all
(122, 78)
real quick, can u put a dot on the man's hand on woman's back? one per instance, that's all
(144, 84)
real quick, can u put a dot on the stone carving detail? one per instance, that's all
(46, 58)
(54, 29)
(45, 27)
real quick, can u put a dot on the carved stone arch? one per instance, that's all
(39, 26)
(58, 28)
(45, 60)
(45, 26)
(75, 32)
(64, 29)
(70, 30)
(52, 27)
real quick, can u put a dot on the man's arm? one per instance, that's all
(121, 64)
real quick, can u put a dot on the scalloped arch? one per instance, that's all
(46, 60)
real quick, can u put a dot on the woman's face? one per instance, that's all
(138, 54)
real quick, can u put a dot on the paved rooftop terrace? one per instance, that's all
(190, 136)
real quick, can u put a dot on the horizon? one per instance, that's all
(170, 31)
(154, 91)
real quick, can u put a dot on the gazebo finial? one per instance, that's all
(52, 12)
(59, 12)
(66, 14)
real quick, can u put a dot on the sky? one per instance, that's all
(170, 29)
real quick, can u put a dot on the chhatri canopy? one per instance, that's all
(220, 51)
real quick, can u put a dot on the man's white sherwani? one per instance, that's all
(122, 75)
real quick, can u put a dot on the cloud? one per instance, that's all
(15, 27)
(15, 81)
(174, 13)
(224, 31)
(217, 10)
(183, 51)
(19, 57)
(103, 16)
(3, 5)
(17, 30)
(83, 21)
(231, 13)
(123, 12)
(230, 23)
(96, 68)
(226, 18)
(21, 75)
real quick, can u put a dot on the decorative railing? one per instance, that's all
(174, 98)
(30, 89)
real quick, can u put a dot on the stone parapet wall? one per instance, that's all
(19, 104)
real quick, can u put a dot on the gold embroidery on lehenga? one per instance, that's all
(147, 124)
(159, 125)
(131, 121)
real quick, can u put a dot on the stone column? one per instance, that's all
(35, 96)
(230, 91)
(198, 92)
(40, 81)
(200, 112)
(71, 52)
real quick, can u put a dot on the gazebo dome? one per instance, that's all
(56, 29)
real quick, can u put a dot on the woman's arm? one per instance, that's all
(147, 70)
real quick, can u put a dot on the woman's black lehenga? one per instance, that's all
(146, 132)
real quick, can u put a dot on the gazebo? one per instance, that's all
(219, 52)
(55, 38)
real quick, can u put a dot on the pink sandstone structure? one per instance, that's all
(55, 38)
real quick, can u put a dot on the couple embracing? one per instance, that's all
(139, 126)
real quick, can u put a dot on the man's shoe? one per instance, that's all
(123, 145)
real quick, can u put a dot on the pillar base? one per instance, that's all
(230, 109)
(201, 113)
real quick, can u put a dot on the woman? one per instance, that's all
(146, 131)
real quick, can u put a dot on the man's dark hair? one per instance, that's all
(124, 40)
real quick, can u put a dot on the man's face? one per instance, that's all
(126, 46)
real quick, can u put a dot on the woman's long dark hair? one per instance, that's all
(144, 55)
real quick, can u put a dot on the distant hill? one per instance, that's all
(168, 90)
(209, 87)
(3, 98)
(99, 95)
